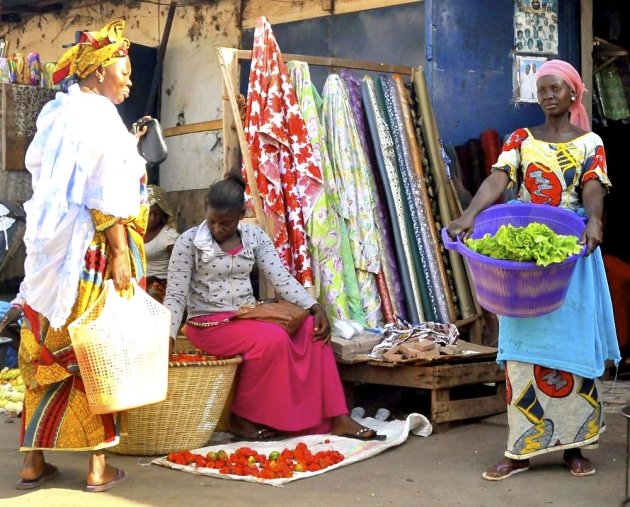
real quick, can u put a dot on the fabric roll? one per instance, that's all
(437, 219)
(611, 93)
(437, 274)
(476, 157)
(331, 273)
(618, 276)
(386, 165)
(430, 131)
(623, 67)
(463, 195)
(391, 291)
(463, 157)
(287, 175)
(491, 147)
(350, 170)
(411, 203)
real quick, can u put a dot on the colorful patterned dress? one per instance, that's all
(552, 362)
(56, 414)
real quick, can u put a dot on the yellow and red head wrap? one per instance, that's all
(91, 51)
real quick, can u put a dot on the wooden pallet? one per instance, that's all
(441, 379)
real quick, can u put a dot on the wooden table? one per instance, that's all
(440, 376)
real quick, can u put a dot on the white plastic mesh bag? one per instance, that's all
(121, 344)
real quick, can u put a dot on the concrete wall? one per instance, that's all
(191, 76)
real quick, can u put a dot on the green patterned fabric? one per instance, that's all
(611, 94)
(336, 284)
(356, 201)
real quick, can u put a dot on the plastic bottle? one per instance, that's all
(382, 414)
(357, 413)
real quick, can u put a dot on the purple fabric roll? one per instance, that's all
(353, 86)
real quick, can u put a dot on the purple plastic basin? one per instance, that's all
(520, 289)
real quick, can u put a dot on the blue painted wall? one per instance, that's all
(470, 69)
(392, 35)
(465, 47)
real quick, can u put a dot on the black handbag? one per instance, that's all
(151, 145)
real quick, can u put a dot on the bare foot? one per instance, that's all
(99, 472)
(33, 466)
(506, 468)
(243, 428)
(344, 425)
(579, 466)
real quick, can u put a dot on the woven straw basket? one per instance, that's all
(188, 416)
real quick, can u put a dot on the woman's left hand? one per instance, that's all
(139, 128)
(321, 331)
(593, 235)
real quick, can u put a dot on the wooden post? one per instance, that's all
(228, 60)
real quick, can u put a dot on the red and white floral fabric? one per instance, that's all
(288, 177)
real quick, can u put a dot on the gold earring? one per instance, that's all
(101, 79)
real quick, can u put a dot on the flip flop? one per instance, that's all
(576, 466)
(361, 435)
(120, 476)
(506, 469)
(50, 472)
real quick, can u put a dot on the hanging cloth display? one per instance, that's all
(336, 284)
(432, 142)
(611, 93)
(386, 159)
(287, 175)
(388, 279)
(412, 213)
(357, 204)
(436, 276)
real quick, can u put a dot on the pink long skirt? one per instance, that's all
(287, 383)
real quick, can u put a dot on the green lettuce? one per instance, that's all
(534, 243)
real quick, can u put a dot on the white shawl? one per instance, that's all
(82, 158)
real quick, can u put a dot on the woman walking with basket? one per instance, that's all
(84, 225)
(552, 362)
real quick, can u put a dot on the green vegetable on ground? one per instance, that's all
(534, 243)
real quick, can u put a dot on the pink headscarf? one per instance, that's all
(566, 71)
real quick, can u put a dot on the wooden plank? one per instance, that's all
(191, 128)
(451, 375)
(329, 61)
(3, 125)
(439, 398)
(281, 11)
(426, 377)
(586, 45)
(231, 150)
(402, 376)
(471, 408)
(226, 58)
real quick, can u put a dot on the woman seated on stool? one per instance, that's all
(286, 384)
(158, 241)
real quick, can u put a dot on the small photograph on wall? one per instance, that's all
(536, 26)
(525, 77)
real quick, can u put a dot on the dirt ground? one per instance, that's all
(443, 469)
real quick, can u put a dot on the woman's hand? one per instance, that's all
(13, 314)
(139, 128)
(119, 263)
(462, 225)
(321, 330)
(121, 269)
(593, 235)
